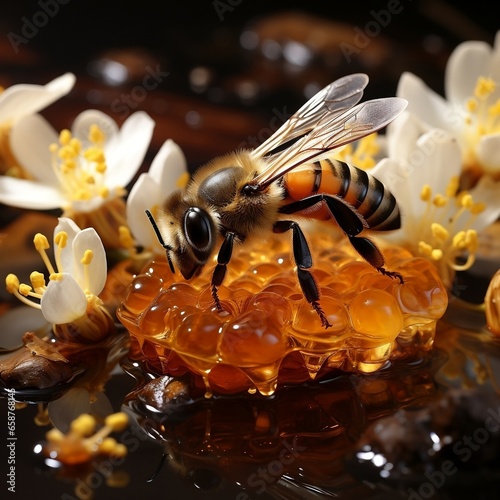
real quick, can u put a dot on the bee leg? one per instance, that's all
(349, 220)
(371, 253)
(223, 259)
(303, 260)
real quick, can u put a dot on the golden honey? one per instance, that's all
(268, 333)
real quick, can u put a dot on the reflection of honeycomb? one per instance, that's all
(174, 325)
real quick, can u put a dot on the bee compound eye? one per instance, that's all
(198, 229)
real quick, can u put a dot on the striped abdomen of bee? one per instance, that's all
(374, 203)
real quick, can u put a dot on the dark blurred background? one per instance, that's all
(225, 73)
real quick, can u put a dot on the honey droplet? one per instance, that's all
(375, 313)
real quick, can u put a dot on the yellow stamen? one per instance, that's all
(426, 193)
(61, 239)
(467, 201)
(75, 145)
(101, 167)
(477, 208)
(12, 283)
(125, 236)
(41, 245)
(24, 289)
(439, 232)
(471, 105)
(87, 257)
(84, 425)
(41, 242)
(96, 135)
(484, 87)
(64, 137)
(436, 254)
(453, 185)
(56, 277)
(104, 192)
(37, 280)
(439, 200)
(471, 240)
(117, 421)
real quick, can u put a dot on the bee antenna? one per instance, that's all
(168, 248)
(158, 468)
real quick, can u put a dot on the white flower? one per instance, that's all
(471, 110)
(168, 171)
(22, 100)
(81, 272)
(77, 171)
(71, 295)
(439, 221)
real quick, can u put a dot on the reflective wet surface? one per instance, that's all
(423, 429)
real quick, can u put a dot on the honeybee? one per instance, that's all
(251, 193)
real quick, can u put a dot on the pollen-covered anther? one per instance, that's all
(440, 200)
(12, 283)
(426, 193)
(484, 87)
(65, 137)
(61, 239)
(37, 281)
(439, 232)
(41, 242)
(96, 134)
(126, 239)
(25, 289)
(87, 257)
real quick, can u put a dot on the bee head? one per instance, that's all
(187, 232)
(198, 231)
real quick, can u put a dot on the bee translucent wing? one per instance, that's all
(335, 98)
(332, 131)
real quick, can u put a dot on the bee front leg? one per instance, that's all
(303, 260)
(223, 258)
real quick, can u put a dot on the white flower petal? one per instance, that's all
(124, 158)
(29, 194)
(94, 278)
(16, 322)
(22, 100)
(66, 258)
(402, 135)
(145, 193)
(466, 63)
(30, 139)
(86, 206)
(69, 406)
(63, 301)
(81, 125)
(430, 107)
(76, 401)
(168, 166)
(486, 191)
(488, 152)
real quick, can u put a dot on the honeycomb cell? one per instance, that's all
(266, 333)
